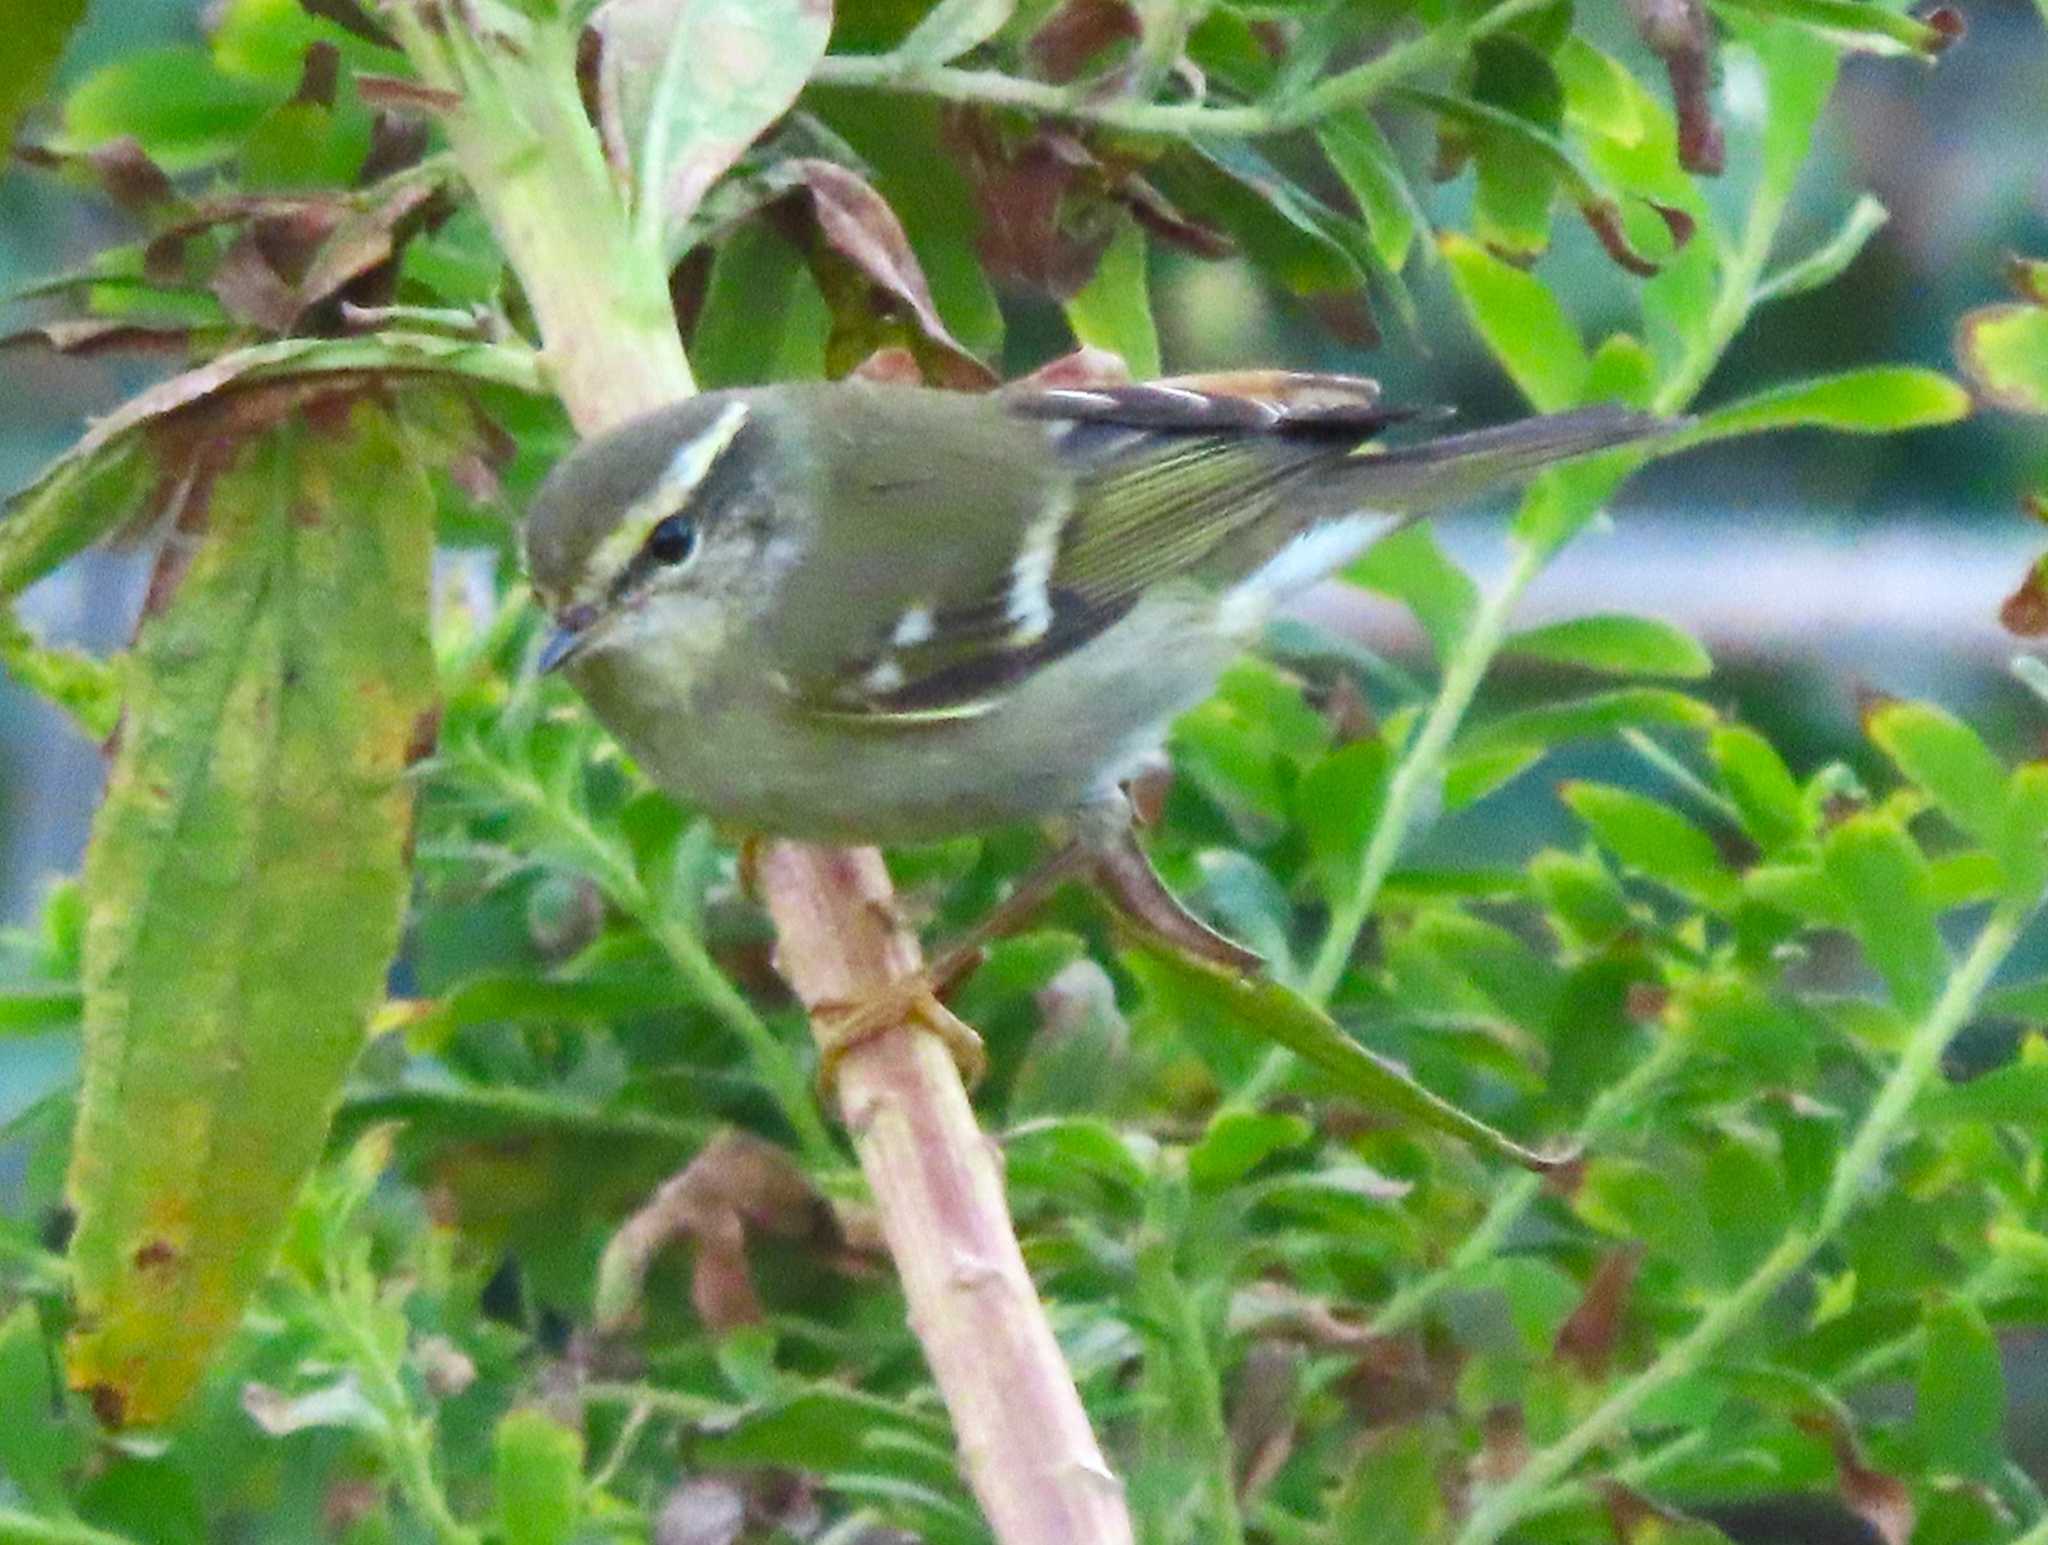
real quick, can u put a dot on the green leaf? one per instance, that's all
(1520, 322)
(1213, 994)
(1746, 1205)
(87, 689)
(39, 1010)
(1825, 263)
(1959, 1392)
(21, 1529)
(2005, 351)
(246, 876)
(1655, 841)
(1238, 1142)
(2014, 1095)
(952, 27)
(1561, 500)
(1337, 804)
(1622, 371)
(29, 49)
(1618, 644)
(1599, 93)
(1756, 779)
(1585, 718)
(1113, 310)
(1875, 29)
(1884, 882)
(685, 86)
(106, 478)
(540, 1478)
(1391, 1494)
(1289, 235)
(1580, 893)
(1359, 151)
(1880, 400)
(1412, 568)
(746, 315)
(37, 1448)
(172, 101)
(1947, 759)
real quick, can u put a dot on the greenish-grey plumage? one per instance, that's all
(865, 612)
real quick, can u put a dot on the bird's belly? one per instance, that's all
(752, 758)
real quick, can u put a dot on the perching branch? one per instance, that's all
(610, 342)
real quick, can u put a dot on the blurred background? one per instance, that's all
(1816, 568)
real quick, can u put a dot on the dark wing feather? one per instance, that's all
(1165, 480)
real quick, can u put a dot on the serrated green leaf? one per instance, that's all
(1113, 310)
(246, 876)
(1959, 1392)
(1947, 759)
(1883, 399)
(1655, 841)
(1520, 321)
(540, 1478)
(1391, 1494)
(1618, 644)
(1884, 882)
(1755, 777)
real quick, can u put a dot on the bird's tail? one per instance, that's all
(1414, 480)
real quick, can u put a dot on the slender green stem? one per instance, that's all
(654, 1398)
(1416, 781)
(19, 1528)
(408, 1437)
(1200, 1365)
(1614, 1105)
(1355, 87)
(777, 1067)
(1858, 1168)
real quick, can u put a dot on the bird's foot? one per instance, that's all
(911, 1002)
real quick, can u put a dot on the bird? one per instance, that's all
(861, 612)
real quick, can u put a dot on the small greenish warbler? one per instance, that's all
(863, 612)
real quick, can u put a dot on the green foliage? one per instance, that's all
(1304, 1292)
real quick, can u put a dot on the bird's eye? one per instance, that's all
(672, 540)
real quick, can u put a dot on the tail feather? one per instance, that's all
(1414, 480)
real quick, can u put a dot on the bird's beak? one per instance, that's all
(571, 632)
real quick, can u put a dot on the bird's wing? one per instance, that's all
(1009, 567)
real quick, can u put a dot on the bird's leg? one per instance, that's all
(1124, 875)
(1103, 847)
(916, 999)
